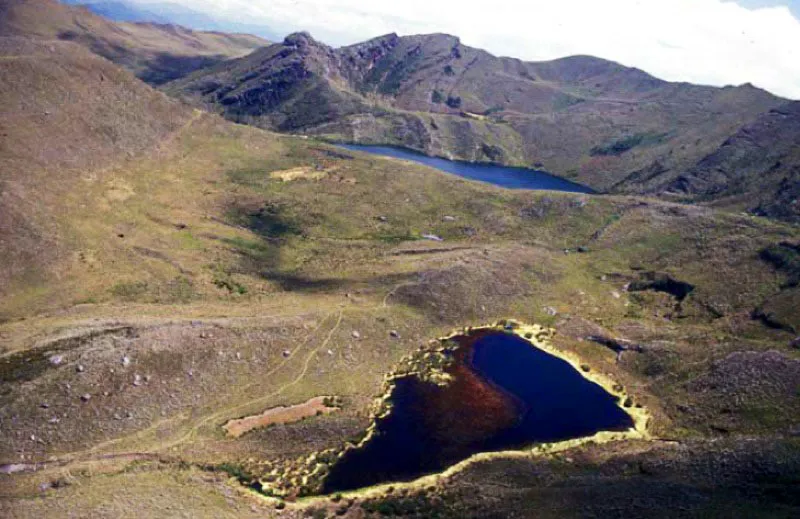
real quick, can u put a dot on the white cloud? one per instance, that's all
(701, 41)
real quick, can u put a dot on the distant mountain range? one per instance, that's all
(156, 53)
(166, 12)
(614, 128)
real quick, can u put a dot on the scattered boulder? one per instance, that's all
(80, 368)
(356, 334)
(432, 237)
(86, 397)
(449, 218)
(795, 343)
(56, 360)
(383, 219)
(137, 380)
(286, 353)
(126, 361)
(394, 334)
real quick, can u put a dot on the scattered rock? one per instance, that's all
(394, 334)
(356, 335)
(238, 356)
(615, 294)
(383, 219)
(137, 380)
(432, 237)
(126, 361)
(80, 368)
(583, 249)
(552, 312)
(86, 397)
(795, 343)
(449, 218)
(54, 420)
(330, 352)
(286, 353)
(44, 405)
(117, 416)
(55, 360)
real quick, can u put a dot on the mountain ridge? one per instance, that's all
(156, 53)
(587, 119)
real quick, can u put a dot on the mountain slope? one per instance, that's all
(757, 168)
(66, 112)
(592, 120)
(155, 53)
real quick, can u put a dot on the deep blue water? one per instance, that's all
(559, 403)
(550, 400)
(503, 176)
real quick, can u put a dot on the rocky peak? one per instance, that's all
(300, 40)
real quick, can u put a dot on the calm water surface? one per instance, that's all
(503, 176)
(507, 394)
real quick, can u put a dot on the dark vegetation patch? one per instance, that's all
(453, 101)
(625, 144)
(177, 290)
(785, 257)
(660, 282)
(437, 97)
(492, 152)
(270, 221)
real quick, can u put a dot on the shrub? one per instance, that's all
(454, 101)
(437, 97)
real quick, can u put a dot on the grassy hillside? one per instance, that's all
(66, 114)
(174, 270)
(591, 120)
(155, 53)
(756, 169)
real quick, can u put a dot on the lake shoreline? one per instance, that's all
(512, 177)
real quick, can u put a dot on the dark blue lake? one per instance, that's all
(505, 394)
(503, 176)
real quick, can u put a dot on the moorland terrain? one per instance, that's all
(166, 270)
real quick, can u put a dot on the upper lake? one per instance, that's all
(503, 176)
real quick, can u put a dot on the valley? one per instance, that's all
(168, 271)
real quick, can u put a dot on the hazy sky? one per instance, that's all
(714, 42)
